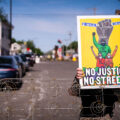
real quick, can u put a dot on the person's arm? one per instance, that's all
(74, 90)
(109, 50)
(114, 52)
(93, 52)
(94, 40)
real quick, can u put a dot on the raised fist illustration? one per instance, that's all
(104, 29)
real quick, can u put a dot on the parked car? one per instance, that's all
(21, 63)
(9, 72)
(30, 58)
(26, 62)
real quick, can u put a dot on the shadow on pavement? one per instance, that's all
(11, 84)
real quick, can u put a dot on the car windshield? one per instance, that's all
(5, 61)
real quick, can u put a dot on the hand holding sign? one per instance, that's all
(80, 73)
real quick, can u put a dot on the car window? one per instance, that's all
(5, 61)
(17, 59)
(20, 59)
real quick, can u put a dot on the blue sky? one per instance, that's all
(46, 21)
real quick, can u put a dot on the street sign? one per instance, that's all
(99, 48)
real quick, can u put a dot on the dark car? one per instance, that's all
(9, 72)
(30, 58)
(21, 63)
(25, 61)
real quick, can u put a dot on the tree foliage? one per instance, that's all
(20, 42)
(3, 16)
(64, 48)
(73, 45)
(31, 45)
(13, 40)
(38, 51)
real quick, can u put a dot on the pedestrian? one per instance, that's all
(95, 102)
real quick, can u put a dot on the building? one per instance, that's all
(19, 48)
(117, 12)
(70, 52)
(4, 38)
(15, 48)
(23, 48)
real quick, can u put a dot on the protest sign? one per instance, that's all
(99, 51)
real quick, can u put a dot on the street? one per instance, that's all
(44, 95)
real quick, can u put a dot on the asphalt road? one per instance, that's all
(44, 95)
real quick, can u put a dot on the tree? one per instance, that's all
(64, 48)
(73, 45)
(3, 16)
(31, 45)
(38, 51)
(20, 42)
(13, 40)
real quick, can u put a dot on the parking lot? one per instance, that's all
(44, 96)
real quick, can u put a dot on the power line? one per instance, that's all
(65, 13)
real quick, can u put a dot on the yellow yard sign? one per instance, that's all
(99, 51)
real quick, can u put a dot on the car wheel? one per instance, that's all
(19, 84)
(8, 86)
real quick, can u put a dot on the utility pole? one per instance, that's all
(11, 20)
(94, 10)
(70, 35)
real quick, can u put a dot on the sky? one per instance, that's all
(46, 21)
